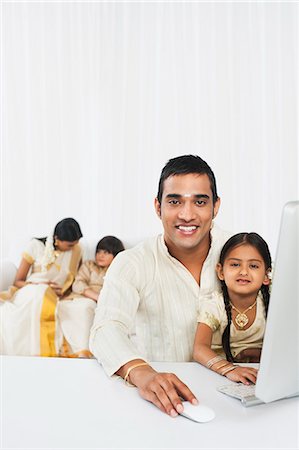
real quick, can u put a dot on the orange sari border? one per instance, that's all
(48, 324)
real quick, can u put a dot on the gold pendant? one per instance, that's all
(241, 320)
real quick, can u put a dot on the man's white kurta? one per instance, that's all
(148, 306)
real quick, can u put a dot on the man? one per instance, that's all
(154, 289)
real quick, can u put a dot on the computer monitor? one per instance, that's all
(279, 366)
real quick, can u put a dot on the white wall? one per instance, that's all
(96, 97)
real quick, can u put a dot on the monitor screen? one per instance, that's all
(279, 366)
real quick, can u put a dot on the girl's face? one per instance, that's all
(243, 271)
(103, 258)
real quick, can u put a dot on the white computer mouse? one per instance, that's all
(198, 413)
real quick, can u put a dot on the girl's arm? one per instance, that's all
(203, 354)
(90, 293)
(202, 351)
(82, 281)
(22, 272)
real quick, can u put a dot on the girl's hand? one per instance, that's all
(245, 375)
(89, 293)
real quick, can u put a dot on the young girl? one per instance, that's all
(232, 323)
(76, 314)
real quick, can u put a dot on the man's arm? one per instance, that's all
(111, 344)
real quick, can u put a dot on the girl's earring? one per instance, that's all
(267, 280)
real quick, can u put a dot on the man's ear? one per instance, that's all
(219, 270)
(158, 207)
(216, 207)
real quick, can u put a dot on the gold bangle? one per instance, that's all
(213, 361)
(129, 370)
(228, 369)
(221, 366)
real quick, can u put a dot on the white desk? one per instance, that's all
(69, 403)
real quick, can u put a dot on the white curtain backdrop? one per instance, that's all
(97, 96)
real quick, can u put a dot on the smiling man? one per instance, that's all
(148, 306)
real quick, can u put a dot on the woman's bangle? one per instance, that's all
(129, 370)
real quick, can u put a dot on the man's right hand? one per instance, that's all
(164, 390)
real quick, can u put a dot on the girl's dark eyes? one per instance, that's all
(252, 266)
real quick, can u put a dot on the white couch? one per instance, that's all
(8, 272)
(8, 267)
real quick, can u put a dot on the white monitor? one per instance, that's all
(279, 366)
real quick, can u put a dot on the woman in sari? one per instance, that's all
(28, 310)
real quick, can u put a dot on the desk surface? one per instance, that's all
(60, 403)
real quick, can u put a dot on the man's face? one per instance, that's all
(186, 211)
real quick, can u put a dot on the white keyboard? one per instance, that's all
(243, 392)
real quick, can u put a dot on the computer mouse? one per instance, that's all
(198, 413)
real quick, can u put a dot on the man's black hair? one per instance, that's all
(183, 165)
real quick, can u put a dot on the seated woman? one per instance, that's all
(76, 313)
(28, 310)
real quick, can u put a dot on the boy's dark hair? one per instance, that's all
(66, 230)
(111, 244)
(183, 165)
(256, 241)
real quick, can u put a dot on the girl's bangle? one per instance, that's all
(213, 361)
(225, 364)
(126, 377)
(228, 369)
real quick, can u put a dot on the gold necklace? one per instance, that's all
(241, 318)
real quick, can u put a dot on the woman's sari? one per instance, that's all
(29, 323)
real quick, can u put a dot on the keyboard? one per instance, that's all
(243, 392)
